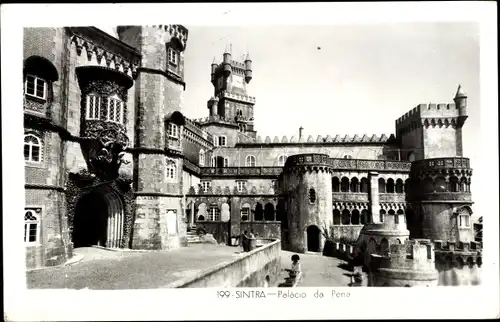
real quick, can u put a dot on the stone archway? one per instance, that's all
(99, 219)
(313, 239)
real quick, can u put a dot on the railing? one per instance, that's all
(442, 163)
(241, 171)
(355, 164)
(392, 197)
(350, 196)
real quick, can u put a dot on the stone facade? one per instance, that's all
(104, 120)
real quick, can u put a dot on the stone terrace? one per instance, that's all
(103, 269)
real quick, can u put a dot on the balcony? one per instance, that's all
(350, 196)
(442, 163)
(241, 171)
(392, 197)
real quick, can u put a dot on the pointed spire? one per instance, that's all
(214, 62)
(248, 57)
(460, 92)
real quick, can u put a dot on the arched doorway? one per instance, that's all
(99, 220)
(313, 238)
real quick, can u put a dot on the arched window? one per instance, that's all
(399, 186)
(202, 212)
(93, 107)
(213, 213)
(31, 226)
(201, 159)
(354, 185)
(390, 186)
(213, 162)
(411, 157)
(312, 195)
(355, 217)
(250, 161)
(115, 110)
(381, 185)
(282, 160)
(216, 140)
(364, 187)
(346, 217)
(335, 184)
(464, 218)
(336, 217)
(36, 87)
(32, 148)
(382, 215)
(269, 212)
(258, 212)
(39, 74)
(171, 170)
(344, 185)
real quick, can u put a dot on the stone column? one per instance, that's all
(374, 203)
(192, 214)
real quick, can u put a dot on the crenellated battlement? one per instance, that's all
(464, 247)
(328, 139)
(238, 97)
(457, 255)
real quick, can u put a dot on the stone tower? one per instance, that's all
(440, 176)
(306, 182)
(158, 132)
(231, 100)
(433, 130)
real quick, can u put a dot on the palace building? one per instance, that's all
(111, 159)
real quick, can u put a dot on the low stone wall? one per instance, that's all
(338, 250)
(249, 270)
(219, 229)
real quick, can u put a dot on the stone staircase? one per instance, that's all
(191, 236)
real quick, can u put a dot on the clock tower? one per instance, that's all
(231, 102)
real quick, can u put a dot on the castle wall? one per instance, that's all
(413, 142)
(440, 222)
(268, 156)
(45, 180)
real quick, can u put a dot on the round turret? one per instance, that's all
(213, 69)
(461, 101)
(248, 69)
(227, 62)
(306, 181)
(212, 105)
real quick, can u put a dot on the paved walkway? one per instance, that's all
(102, 269)
(318, 270)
